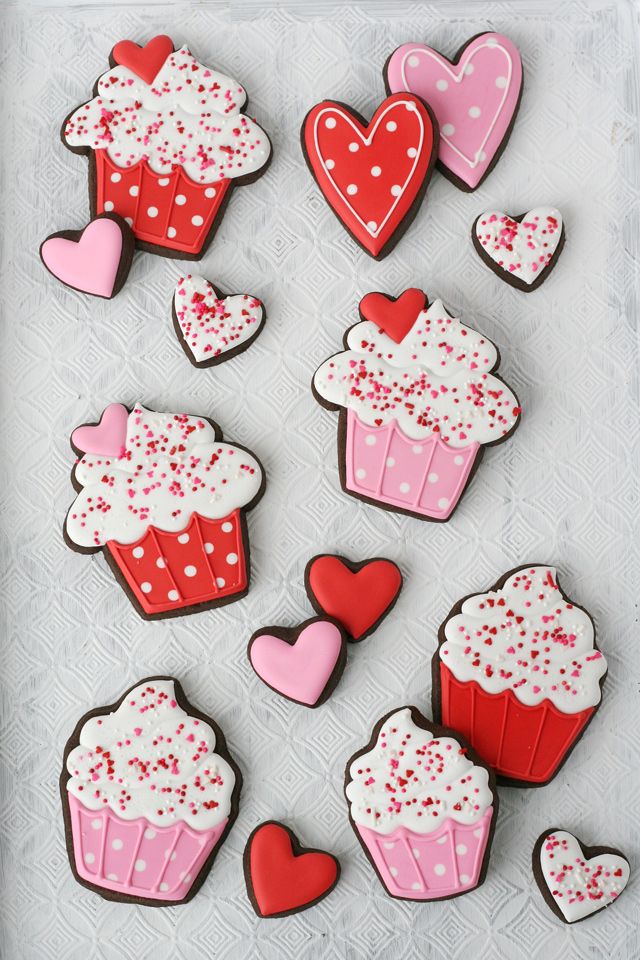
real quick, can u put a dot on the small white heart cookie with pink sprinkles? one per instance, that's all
(211, 326)
(577, 881)
(521, 250)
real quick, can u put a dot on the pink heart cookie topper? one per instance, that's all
(302, 664)
(95, 260)
(213, 327)
(107, 438)
(475, 99)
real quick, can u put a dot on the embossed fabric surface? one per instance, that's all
(562, 491)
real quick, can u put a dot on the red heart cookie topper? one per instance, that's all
(283, 877)
(146, 62)
(107, 438)
(357, 595)
(395, 317)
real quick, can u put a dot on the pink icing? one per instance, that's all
(300, 671)
(89, 264)
(107, 438)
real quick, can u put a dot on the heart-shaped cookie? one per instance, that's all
(395, 315)
(282, 876)
(475, 98)
(358, 595)
(146, 62)
(373, 175)
(575, 880)
(521, 250)
(303, 663)
(95, 260)
(107, 438)
(213, 327)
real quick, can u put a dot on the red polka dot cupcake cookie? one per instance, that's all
(167, 140)
(419, 402)
(165, 499)
(149, 794)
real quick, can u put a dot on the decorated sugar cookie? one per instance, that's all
(475, 98)
(149, 794)
(167, 140)
(577, 881)
(282, 876)
(165, 499)
(95, 260)
(373, 174)
(213, 327)
(521, 250)
(419, 402)
(423, 806)
(519, 673)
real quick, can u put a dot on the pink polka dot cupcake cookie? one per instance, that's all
(423, 807)
(419, 402)
(149, 794)
(165, 499)
(167, 140)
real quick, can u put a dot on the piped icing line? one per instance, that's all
(415, 778)
(150, 758)
(437, 380)
(170, 467)
(525, 636)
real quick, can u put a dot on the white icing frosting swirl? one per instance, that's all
(151, 759)
(527, 638)
(414, 780)
(172, 466)
(189, 116)
(437, 380)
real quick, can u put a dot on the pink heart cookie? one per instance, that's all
(475, 98)
(95, 260)
(303, 663)
(107, 438)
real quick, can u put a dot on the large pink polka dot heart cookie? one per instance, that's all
(167, 141)
(149, 794)
(475, 98)
(165, 499)
(419, 402)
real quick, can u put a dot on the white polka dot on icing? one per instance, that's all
(433, 478)
(469, 69)
(501, 82)
(474, 112)
(173, 595)
(405, 487)
(227, 527)
(442, 840)
(491, 42)
(97, 823)
(232, 558)
(412, 152)
(108, 206)
(416, 886)
(360, 473)
(376, 171)
(372, 226)
(117, 844)
(134, 191)
(396, 190)
(393, 871)
(330, 122)
(481, 155)
(208, 548)
(464, 878)
(354, 147)
(164, 887)
(152, 212)
(416, 448)
(221, 582)
(410, 106)
(391, 461)
(210, 193)
(117, 177)
(352, 189)
(161, 563)
(329, 164)
(442, 85)
(392, 126)
(190, 570)
(416, 853)
(138, 552)
(149, 834)
(89, 858)
(146, 587)
(140, 866)
(477, 833)
(443, 503)
(413, 61)
(171, 232)
(129, 220)
(113, 877)
(164, 182)
(459, 460)
(461, 849)
(180, 200)
(388, 846)
(448, 129)
(183, 538)
(439, 869)
(197, 221)
(370, 440)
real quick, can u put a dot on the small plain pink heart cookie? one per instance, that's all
(95, 260)
(303, 663)
(107, 438)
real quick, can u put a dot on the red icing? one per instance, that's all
(282, 881)
(355, 600)
(145, 62)
(371, 174)
(395, 317)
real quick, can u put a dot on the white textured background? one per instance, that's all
(563, 491)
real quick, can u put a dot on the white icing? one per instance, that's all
(438, 379)
(441, 782)
(523, 249)
(151, 759)
(213, 326)
(172, 467)
(526, 638)
(580, 887)
(189, 116)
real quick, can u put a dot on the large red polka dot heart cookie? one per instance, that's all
(373, 174)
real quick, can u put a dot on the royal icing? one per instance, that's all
(212, 326)
(91, 262)
(358, 595)
(370, 175)
(437, 380)
(413, 779)
(522, 248)
(187, 116)
(475, 100)
(526, 638)
(150, 759)
(301, 670)
(170, 466)
(580, 886)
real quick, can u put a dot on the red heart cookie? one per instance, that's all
(357, 595)
(283, 877)
(146, 62)
(395, 316)
(373, 175)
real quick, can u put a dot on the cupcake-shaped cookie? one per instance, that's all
(165, 498)
(519, 674)
(423, 806)
(418, 402)
(167, 140)
(149, 793)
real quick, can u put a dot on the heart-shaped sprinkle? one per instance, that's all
(520, 250)
(212, 327)
(95, 260)
(146, 62)
(357, 595)
(107, 438)
(395, 317)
